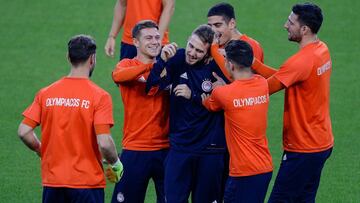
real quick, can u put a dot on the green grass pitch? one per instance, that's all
(33, 39)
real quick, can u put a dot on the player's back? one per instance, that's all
(245, 103)
(70, 155)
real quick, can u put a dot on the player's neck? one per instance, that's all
(236, 34)
(308, 39)
(79, 72)
(145, 59)
(242, 74)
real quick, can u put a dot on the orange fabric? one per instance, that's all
(137, 10)
(146, 118)
(29, 122)
(67, 111)
(307, 124)
(262, 69)
(255, 45)
(102, 129)
(274, 85)
(245, 103)
(129, 73)
(220, 60)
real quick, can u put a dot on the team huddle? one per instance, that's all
(195, 118)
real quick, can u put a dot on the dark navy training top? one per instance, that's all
(192, 127)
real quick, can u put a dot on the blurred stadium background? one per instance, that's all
(33, 54)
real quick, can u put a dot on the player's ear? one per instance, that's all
(136, 42)
(92, 59)
(305, 30)
(67, 57)
(232, 67)
(232, 23)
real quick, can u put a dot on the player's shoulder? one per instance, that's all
(128, 62)
(251, 40)
(50, 86)
(96, 89)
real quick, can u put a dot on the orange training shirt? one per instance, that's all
(146, 118)
(245, 103)
(307, 124)
(138, 10)
(256, 47)
(67, 111)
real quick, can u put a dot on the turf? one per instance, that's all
(33, 54)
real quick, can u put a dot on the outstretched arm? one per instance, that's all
(117, 23)
(166, 14)
(159, 77)
(125, 73)
(220, 60)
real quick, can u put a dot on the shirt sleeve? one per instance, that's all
(104, 111)
(295, 69)
(33, 112)
(220, 60)
(126, 72)
(213, 103)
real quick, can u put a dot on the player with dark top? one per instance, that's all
(197, 142)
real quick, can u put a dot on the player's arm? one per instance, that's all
(106, 143)
(210, 101)
(166, 14)
(160, 74)
(274, 85)
(125, 73)
(108, 151)
(117, 23)
(28, 136)
(262, 69)
(220, 60)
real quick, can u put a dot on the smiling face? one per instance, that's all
(148, 42)
(196, 50)
(222, 28)
(293, 26)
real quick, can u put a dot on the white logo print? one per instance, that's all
(284, 157)
(120, 197)
(184, 75)
(206, 85)
(142, 79)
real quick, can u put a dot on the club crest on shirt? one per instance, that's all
(120, 197)
(206, 85)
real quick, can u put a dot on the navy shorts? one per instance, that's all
(74, 195)
(198, 174)
(127, 51)
(139, 168)
(247, 189)
(299, 176)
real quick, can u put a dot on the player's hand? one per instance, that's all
(182, 91)
(38, 150)
(219, 81)
(110, 46)
(204, 96)
(168, 51)
(113, 173)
